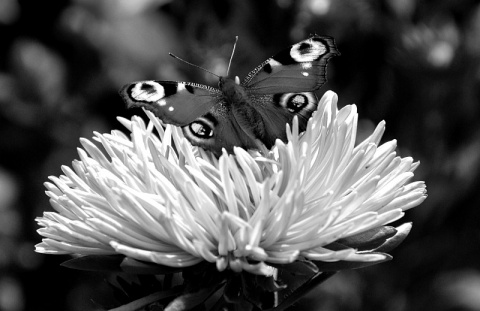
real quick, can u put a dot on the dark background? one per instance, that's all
(412, 63)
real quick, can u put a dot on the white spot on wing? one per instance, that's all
(313, 52)
(306, 65)
(171, 108)
(162, 102)
(148, 91)
(274, 63)
(305, 73)
(180, 87)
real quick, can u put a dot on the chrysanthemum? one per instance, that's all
(155, 198)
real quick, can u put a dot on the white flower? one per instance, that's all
(158, 199)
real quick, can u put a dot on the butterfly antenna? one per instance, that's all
(231, 56)
(196, 66)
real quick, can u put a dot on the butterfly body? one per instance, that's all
(243, 110)
(242, 114)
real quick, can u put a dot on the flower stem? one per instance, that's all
(145, 301)
(317, 279)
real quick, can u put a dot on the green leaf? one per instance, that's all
(102, 263)
(133, 266)
(369, 240)
(190, 300)
(233, 291)
(301, 266)
(149, 302)
(402, 232)
(349, 265)
(269, 284)
(255, 293)
(290, 296)
(335, 246)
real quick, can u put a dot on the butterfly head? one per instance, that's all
(233, 93)
(228, 82)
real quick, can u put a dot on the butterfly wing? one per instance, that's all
(177, 103)
(299, 68)
(279, 109)
(218, 129)
(206, 119)
(282, 86)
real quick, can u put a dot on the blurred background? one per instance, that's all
(413, 63)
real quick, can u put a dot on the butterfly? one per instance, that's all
(245, 114)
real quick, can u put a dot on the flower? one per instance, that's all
(158, 199)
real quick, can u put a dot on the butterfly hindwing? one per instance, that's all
(277, 110)
(177, 103)
(299, 68)
(218, 129)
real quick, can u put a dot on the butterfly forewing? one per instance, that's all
(177, 103)
(299, 68)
